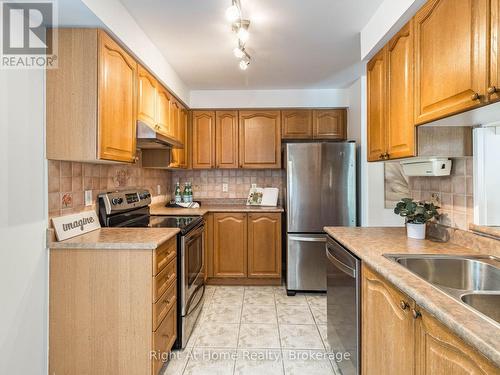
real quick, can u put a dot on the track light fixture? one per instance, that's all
(240, 27)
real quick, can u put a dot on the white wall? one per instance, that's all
(119, 21)
(387, 20)
(268, 98)
(23, 257)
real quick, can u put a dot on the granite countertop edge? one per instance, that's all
(396, 275)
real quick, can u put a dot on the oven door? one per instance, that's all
(193, 265)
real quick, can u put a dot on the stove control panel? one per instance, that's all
(120, 201)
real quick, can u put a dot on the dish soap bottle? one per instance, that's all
(178, 195)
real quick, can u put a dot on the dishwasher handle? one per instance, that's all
(340, 265)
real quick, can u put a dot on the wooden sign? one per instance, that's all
(74, 225)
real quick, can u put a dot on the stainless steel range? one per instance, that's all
(131, 209)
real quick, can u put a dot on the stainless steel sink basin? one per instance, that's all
(488, 304)
(473, 280)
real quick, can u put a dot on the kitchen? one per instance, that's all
(299, 168)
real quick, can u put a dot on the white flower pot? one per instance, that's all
(416, 231)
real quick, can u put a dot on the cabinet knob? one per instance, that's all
(416, 314)
(386, 156)
(381, 156)
(475, 96)
(492, 90)
(404, 305)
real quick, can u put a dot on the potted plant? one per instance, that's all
(416, 214)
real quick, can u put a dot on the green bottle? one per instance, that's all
(185, 195)
(178, 195)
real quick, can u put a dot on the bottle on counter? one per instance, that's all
(185, 194)
(178, 193)
(190, 192)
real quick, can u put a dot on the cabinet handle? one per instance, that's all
(475, 96)
(416, 314)
(404, 305)
(381, 156)
(492, 90)
(386, 156)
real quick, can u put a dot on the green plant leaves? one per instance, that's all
(416, 212)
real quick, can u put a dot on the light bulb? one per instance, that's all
(244, 64)
(238, 52)
(232, 13)
(243, 34)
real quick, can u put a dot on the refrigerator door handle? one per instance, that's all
(307, 239)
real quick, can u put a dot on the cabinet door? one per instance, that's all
(209, 245)
(330, 124)
(203, 139)
(163, 116)
(400, 124)
(450, 57)
(230, 245)
(146, 109)
(387, 328)
(260, 139)
(226, 134)
(264, 245)
(296, 124)
(494, 79)
(175, 118)
(439, 352)
(377, 83)
(117, 101)
(179, 157)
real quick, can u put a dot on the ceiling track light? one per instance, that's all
(240, 27)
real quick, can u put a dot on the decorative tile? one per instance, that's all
(224, 313)
(255, 297)
(319, 314)
(317, 300)
(217, 335)
(294, 314)
(259, 336)
(259, 362)
(281, 297)
(300, 337)
(177, 362)
(265, 314)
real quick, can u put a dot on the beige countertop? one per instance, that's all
(116, 238)
(369, 244)
(482, 229)
(160, 209)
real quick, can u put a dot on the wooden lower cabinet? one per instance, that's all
(264, 245)
(387, 328)
(243, 248)
(103, 316)
(230, 245)
(398, 337)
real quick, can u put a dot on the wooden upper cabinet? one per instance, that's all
(146, 98)
(180, 156)
(494, 76)
(230, 245)
(260, 139)
(226, 134)
(440, 352)
(450, 57)
(330, 124)
(163, 108)
(400, 122)
(264, 245)
(175, 117)
(387, 328)
(296, 124)
(203, 142)
(377, 83)
(117, 101)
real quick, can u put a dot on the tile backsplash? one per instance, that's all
(207, 184)
(455, 193)
(67, 182)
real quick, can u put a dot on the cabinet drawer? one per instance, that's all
(164, 279)
(164, 254)
(164, 338)
(163, 305)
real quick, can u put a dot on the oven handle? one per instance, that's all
(194, 234)
(340, 265)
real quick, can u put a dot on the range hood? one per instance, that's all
(149, 138)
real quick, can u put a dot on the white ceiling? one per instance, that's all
(295, 44)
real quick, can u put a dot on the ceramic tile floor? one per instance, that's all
(256, 330)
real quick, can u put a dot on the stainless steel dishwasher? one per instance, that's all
(343, 307)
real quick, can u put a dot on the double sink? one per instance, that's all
(472, 280)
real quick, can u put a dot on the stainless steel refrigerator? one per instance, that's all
(321, 191)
